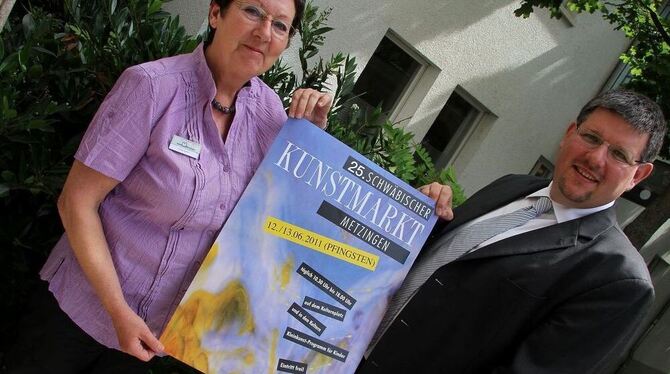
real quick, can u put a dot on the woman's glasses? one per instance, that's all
(280, 29)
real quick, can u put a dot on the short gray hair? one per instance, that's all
(642, 113)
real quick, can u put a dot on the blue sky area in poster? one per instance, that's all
(300, 275)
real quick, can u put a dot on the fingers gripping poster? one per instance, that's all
(301, 273)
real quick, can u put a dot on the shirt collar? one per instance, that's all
(564, 213)
(204, 76)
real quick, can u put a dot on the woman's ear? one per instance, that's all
(214, 14)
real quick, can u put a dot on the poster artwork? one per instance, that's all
(301, 273)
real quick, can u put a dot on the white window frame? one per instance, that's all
(409, 88)
(418, 85)
(465, 129)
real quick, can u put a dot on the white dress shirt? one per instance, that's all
(559, 214)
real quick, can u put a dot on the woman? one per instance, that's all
(159, 170)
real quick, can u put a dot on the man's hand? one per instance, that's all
(134, 336)
(311, 105)
(441, 194)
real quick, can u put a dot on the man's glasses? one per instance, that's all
(280, 29)
(614, 152)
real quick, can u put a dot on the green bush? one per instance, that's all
(58, 61)
(56, 66)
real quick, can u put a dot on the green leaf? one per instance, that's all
(28, 24)
(8, 176)
(4, 190)
(9, 113)
(154, 6)
(9, 62)
(24, 54)
(39, 124)
(322, 30)
(45, 51)
(35, 71)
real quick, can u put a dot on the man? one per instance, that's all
(562, 291)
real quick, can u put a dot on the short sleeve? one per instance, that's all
(270, 113)
(119, 133)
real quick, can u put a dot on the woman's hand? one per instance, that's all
(134, 335)
(441, 194)
(311, 105)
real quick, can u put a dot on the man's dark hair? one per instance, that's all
(296, 24)
(642, 113)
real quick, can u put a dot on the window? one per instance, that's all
(452, 127)
(389, 76)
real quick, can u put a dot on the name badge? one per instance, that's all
(185, 147)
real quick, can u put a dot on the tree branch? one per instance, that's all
(657, 22)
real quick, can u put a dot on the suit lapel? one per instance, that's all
(552, 237)
(497, 194)
(493, 196)
(508, 189)
(563, 235)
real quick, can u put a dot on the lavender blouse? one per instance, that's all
(162, 217)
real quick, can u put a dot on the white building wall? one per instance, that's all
(532, 74)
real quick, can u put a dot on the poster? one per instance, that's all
(301, 273)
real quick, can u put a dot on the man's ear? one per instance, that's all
(571, 128)
(642, 172)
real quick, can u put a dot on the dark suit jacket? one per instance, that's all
(562, 299)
